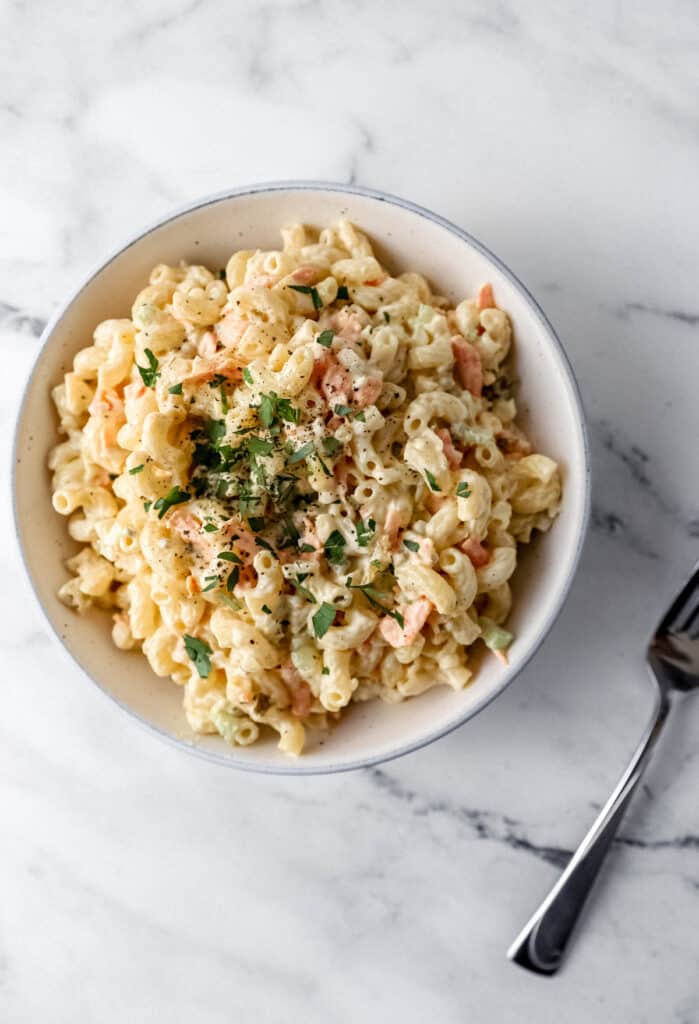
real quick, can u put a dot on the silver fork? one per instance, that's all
(673, 656)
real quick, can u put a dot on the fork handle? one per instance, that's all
(541, 945)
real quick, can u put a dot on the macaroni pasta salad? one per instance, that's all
(297, 483)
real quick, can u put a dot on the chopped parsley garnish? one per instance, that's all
(261, 542)
(258, 446)
(210, 528)
(411, 545)
(290, 535)
(342, 292)
(375, 597)
(224, 399)
(325, 671)
(137, 469)
(335, 548)
(266, 609)
(173, 497)
(247, 377)
(398, 617)
(325, 338)
(311, 290)
(387, 317)
(272, 407)
(307, 548)
(303, 591)
(176, 389)
(300, 454)
(322, 465)
(283, 490)
(323, 619)
(215, 429)
(257, 523)
(229, 556)
(365, 531)
(245, 499)
(434, 486)
(266, 410)
(200, 653)
(286, 410)
(212, 581)
(147, 505)
(229, 601)
(151, 372)
(331, 445)
(463, 490)
(347, 411)
(233, 578)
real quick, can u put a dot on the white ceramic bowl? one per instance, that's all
(406, 238)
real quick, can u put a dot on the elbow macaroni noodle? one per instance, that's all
(298, 482)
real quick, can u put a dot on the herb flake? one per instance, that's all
(199, 653)
(272, 408)
(306, 289)
(323, 619)
(335, 548)
(375, 597)
(258, 446)
(325, 338)
(301, 453)
(434, 486)
(149, 373)
(331, 445)
(297, 583)
(173, 497)
(365, 531)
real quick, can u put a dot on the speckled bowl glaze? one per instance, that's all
(406, 237)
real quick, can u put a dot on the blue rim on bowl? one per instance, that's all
(300, 767)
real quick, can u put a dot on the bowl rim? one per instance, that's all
(298, 767)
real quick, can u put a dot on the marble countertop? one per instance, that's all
(139, 884)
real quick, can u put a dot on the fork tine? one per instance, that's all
(684, 608)
(691, 620)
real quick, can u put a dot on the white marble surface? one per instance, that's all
(139, 884)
